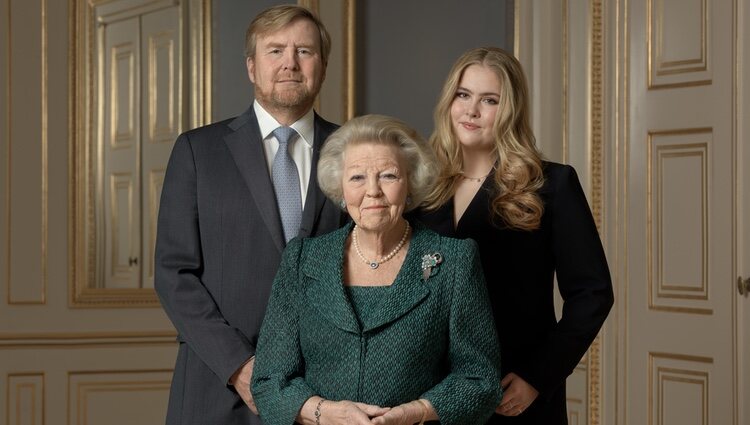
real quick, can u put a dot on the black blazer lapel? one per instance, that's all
(246, 146)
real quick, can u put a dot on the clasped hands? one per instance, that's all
(338, 412)
(349, 412)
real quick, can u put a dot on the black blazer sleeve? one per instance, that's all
(178, 265)
(584, 282)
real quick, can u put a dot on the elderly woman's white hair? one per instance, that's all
(379, 129)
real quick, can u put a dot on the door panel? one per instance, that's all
(679, 211)
(161, 94)
(120, 150)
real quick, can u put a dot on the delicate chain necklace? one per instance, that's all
(473, 179)
(476, 179)
(374, 264)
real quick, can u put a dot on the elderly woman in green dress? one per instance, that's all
(382, 321)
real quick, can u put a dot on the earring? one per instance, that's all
(342, 204)
(408, 200)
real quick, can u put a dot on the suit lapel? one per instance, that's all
(316, 202)
(246, 146)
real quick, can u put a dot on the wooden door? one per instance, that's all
(679, 345)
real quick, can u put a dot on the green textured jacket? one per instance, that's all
(430, 339)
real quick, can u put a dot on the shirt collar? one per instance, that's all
(267, 123)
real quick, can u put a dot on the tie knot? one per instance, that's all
(284, 134)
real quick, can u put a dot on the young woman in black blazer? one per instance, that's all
(531, 220)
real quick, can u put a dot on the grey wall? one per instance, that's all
(232, 91)
(406, 48)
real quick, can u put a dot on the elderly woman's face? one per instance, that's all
(375, 185)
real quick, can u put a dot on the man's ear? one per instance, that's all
(250, 69)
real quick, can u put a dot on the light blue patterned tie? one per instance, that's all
(286, 184)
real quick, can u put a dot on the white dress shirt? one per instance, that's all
(301, 147)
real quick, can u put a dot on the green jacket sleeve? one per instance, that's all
(278, 385)
(471, 391)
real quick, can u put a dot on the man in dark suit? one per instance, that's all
(234, 194)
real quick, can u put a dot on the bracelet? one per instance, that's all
(317, 411)
(424, 411)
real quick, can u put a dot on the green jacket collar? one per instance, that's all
(323, 265)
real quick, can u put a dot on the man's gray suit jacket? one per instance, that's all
(218, 247)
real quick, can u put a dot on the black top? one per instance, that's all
(520, 267)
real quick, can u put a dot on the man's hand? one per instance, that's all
(241, 382)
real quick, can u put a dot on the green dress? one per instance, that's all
(416, 338)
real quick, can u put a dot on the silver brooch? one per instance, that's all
(430, 261)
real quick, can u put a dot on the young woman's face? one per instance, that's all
(474, 108)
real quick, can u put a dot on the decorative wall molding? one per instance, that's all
(24, 398)
(23, 288)
(44, 340)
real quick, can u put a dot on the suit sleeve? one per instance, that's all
(584, 282)
(278, 386)
(178, 266)
(470, 392)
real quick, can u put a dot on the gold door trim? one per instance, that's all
(597, 186)
(84, 110)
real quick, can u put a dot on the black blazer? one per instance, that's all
(218, 247)
(520, 267)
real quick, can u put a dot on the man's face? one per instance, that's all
(287, 69)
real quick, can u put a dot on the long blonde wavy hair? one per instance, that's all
(518, 174)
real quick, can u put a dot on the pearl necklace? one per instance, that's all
(374, 264)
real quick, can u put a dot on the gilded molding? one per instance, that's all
(654, 51)
(565, 81)
(737, 106)
(45, 141)
(86, 131)
(597, 186)
(120, 139)
(9, 154)
(650, 174)
(29, 381)
(657, 372)
(350, 44)
(675, 290)
(83, 383)
(622, 151)
(205, 46)
(349, 54)
(55, 340)
(157, 130)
